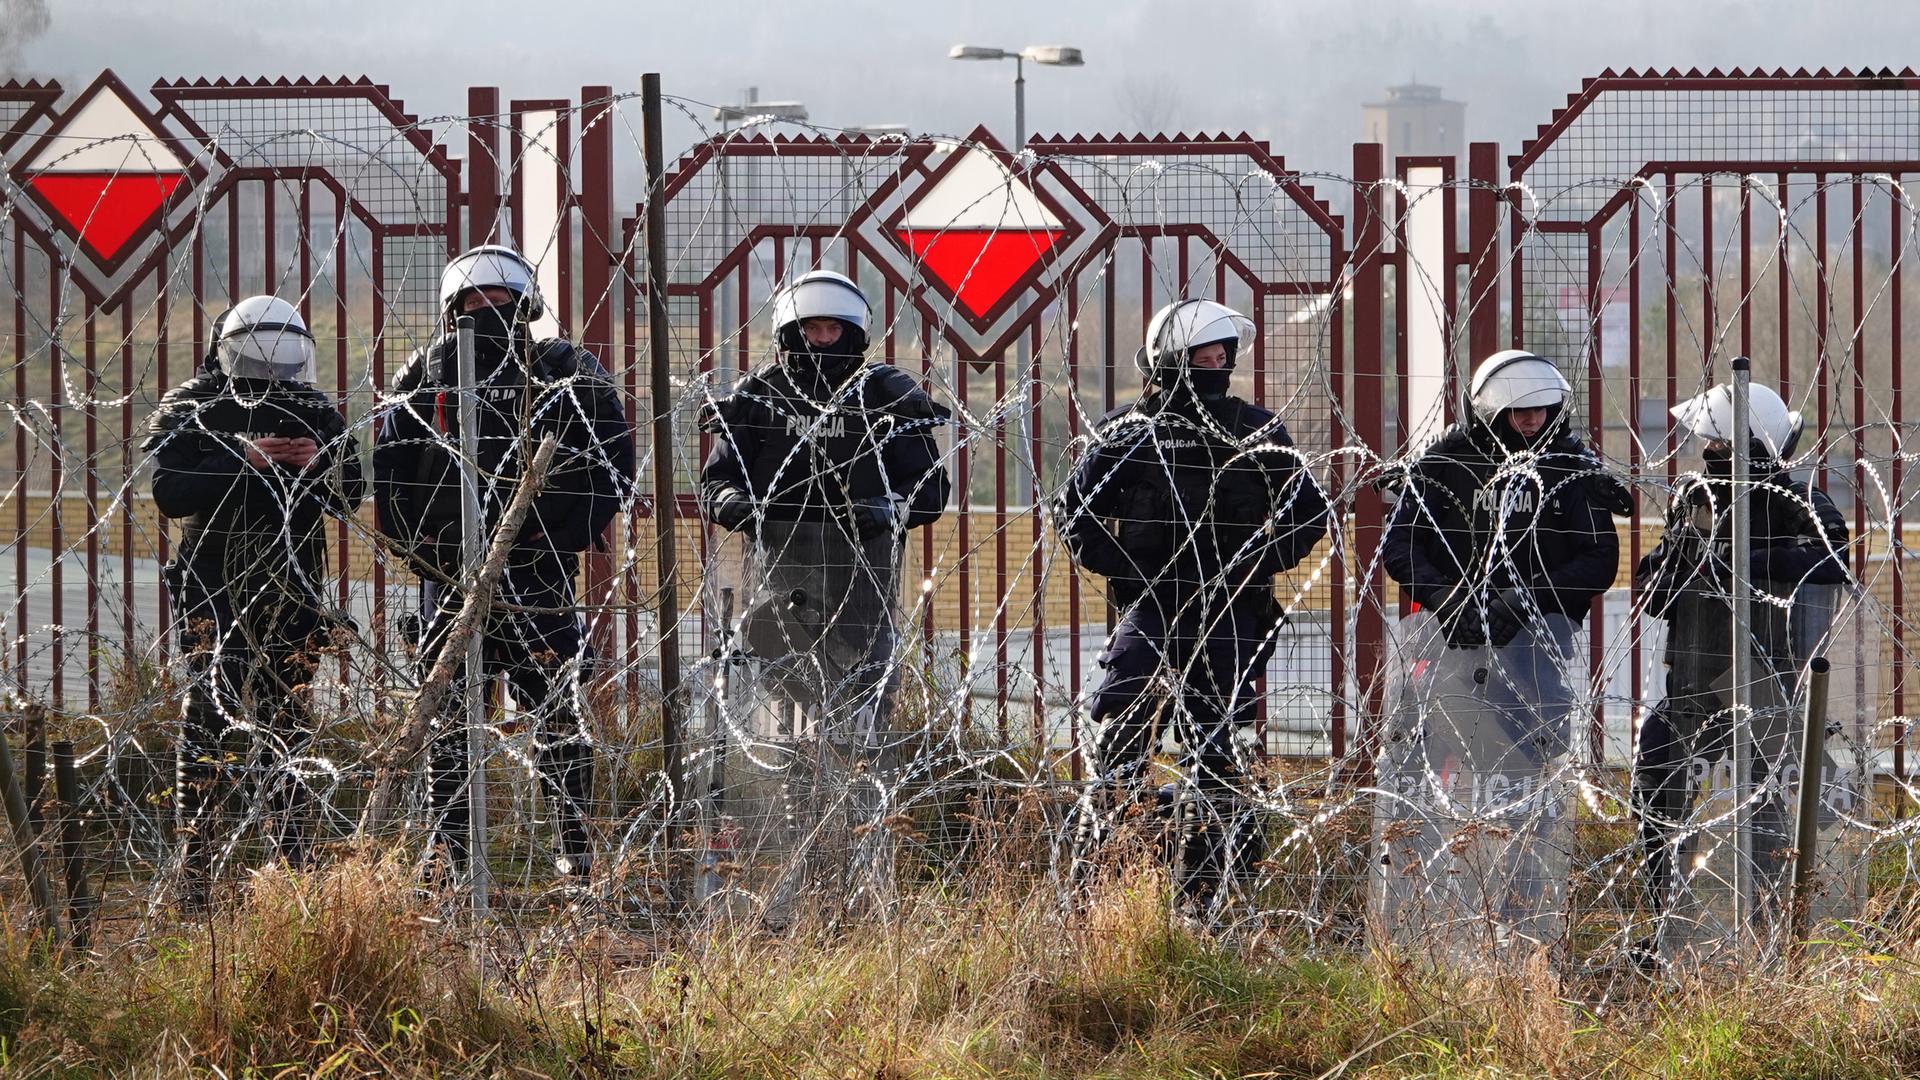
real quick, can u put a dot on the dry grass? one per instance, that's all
(350, 972)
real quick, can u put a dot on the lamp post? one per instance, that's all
(1051, 55)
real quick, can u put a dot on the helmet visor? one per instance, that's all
(821, 298)
(1519, 381)
(489, 267)
(281, 353)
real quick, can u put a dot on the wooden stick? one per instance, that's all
(396, 760)
(81, 903)
(24, 838)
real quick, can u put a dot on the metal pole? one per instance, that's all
(665, 503)
(474, 550)
(73, 852)
(718, 844)
(1741, 656)
(23, 838)
(724, 300)
(1019, 102)
(1813, 752)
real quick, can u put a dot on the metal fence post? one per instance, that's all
(597, 260)
(483, 166)
(665, 499)
(474, 551)
(1813, 749)
(1483, 251)
(1742, 666)
(1369, 390)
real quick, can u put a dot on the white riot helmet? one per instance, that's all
(1185, 325)
(490, 266)
(1515, 379)
(822, 294)
(1709, 417)
(264, 337)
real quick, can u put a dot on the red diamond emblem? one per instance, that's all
(978, 231)
(105, 210)
(979, 265)
(105, 172)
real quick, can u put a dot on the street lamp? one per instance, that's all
(1051, 55)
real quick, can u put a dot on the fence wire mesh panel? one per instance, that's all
(1145, 502)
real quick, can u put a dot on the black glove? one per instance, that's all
(732, 510)
(1461, 621)
(1607, 492)
(1507, 611)
(876, 517)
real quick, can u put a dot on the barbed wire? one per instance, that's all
(941, 701)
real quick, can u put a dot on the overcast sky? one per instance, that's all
(1289, 72)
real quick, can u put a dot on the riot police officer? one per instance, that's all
(255, 459)
(1503, 535)
(534, 634)
(1488, 539)
(821, 461)
(1188, 501)
(1797, 541)
(825, 460)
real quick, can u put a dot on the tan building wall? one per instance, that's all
(1416, 121)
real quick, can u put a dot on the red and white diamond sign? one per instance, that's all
(104, 173)
(978, 230)
(981, 245)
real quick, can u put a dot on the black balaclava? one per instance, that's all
(1209, 384)
(498, 333)
(1719, 462)
(819, 370)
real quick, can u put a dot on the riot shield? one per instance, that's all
(1732, 842)
(799, 750)
(1471, 826)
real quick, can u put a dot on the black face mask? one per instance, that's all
(1719, 461)
(1208, 384)
(497, 335)
(818, 370)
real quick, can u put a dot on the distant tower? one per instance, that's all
(1416, 121)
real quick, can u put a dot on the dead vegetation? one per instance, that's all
(354, 971)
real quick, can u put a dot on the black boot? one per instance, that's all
(196, 808)
(569, 768)
(450, 810)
